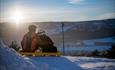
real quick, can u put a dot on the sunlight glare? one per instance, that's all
(17, 17)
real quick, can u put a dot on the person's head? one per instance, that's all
(32, 28)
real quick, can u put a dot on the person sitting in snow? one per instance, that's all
(30, 40)
(46, 43)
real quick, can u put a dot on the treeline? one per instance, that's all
(110, 53)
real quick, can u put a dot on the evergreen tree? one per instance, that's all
(95, 53)
(111, 52)
(14, 45)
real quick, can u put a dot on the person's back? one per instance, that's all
(46, 40)
(29, 42)
(46, 43)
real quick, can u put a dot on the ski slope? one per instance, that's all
(11, 60)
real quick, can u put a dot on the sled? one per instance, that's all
(41, 53)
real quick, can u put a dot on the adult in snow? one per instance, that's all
(46, 43)
(30, 42)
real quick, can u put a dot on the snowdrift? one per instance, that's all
(10, 60)
(93, 63)
(59, 63)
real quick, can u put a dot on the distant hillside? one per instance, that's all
(86, 30)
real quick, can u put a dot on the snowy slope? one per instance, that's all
(59, 63)
(92, 63)
(10, 60)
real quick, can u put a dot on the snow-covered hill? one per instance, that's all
(11, 60)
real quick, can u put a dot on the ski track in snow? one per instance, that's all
(11, 60)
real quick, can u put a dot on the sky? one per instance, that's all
(56, 10)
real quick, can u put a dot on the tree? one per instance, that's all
(111, 52)
(95, 53)
(14, 45)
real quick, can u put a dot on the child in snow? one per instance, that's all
(29, 42)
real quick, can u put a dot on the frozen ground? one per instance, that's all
(10, 60)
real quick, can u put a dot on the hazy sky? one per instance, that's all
(56, 10)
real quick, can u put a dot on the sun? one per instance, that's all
(17, 17)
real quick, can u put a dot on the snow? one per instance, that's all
(92, 63)
(11, 60)
(99, 65)
(60, 63)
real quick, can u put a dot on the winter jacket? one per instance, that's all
(29, 42)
